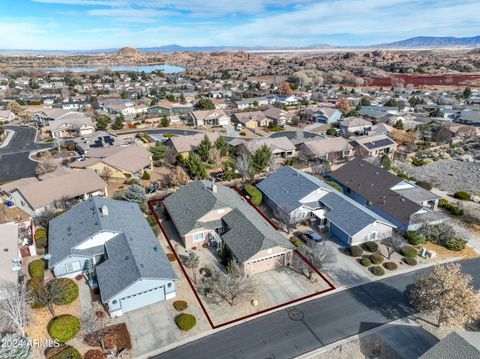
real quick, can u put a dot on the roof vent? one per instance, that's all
(214, 187)
(104, 210)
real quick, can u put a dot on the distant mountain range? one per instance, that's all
(412, 43)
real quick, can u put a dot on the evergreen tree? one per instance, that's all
(204, 148)
(196, 168)
(222, 146)
(135, 193)
(259, 159)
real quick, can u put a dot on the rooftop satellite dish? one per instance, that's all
(16, 268)
(47, 256)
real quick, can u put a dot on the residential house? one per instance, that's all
(10, 258)
(325, 115)
(111, 243)
(280, 147)
(6, 116)
(295, 196)
(277, 115)
(354, 126)
(72, 124)
(252, 119)
(469, 117)
(120, 162)
(459, 344)
(209, 118)
(251, 102)
(167, 108)
(44, 116)
(291, 100)
(399, 201)
(98, 139)
(35, 196)
(377, 113)
(375, 146)
(380, 129)
(207, 213)
(331, 149)
(183, 145)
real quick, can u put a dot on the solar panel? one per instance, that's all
(380, 143)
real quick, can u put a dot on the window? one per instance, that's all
(169, 285)
(372, 236)
(198, 237)
(72, 267)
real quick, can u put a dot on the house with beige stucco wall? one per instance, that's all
(207, 213)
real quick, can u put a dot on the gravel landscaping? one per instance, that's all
(448, 175)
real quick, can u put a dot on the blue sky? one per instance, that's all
(97, 24)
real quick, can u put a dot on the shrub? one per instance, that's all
(171, 257)
(415, 238)
(409, 261)
(68, 290)
(409, 252)
(390, 265)
(185, 322)
(356, 251)
(455, 244)
(377, 270)
(366, 262)
(146, 176)
(371, 246)
(419, 162)
(464, 196)
(438, 233)
(68, 353)
(254, 193)
(442, 203)
(331, 132)
(36, 269)
(425, 184)
(95, 354)
(180, 305)
(41, 237)
(64, 327)
(454, 210)
(376, 258)
(206, 272)
(297, 243)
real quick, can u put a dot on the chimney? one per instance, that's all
(104, 210)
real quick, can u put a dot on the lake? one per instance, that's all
(168, 69)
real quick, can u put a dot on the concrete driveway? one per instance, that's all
(151, 327)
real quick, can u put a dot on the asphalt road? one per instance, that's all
(14, 158)
(311, 325)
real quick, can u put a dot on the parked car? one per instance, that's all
(311, 236)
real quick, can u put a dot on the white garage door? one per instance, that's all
(142, 299)
(264, 264)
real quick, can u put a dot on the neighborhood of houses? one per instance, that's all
(190, 204)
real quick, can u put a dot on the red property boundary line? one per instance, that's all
(331, 286)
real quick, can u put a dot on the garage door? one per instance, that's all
(268, 263)
(142, 299)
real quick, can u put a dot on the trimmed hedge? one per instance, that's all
(36, 269)
(145, 176)
(365, 261)
(41, 237)
(185, 322)
(455, 244)
(409, 252)
(415, 238)
(454, 210)
(356, 251)
(390, 265)
(64, 327)
(180, 305)
(464, 196)
(409, 261)
(68, 290)
(254, 193)
(376, 258)
(377, 270)
(68, 353)
(95, 354)
(371, 246)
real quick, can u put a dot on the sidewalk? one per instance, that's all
(85, 297)
(7, 139)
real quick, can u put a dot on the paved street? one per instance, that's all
(313, 324)
(14, 158)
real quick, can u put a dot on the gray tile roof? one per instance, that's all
(135, 240)
(287, 186)
(456, 345)
(248, 232)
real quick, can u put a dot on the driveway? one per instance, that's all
(151, 327)
(15, 159)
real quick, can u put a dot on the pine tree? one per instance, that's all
(204, 148)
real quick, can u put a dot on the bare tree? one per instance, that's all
(466, 133)
(46, 295)
(14, 307)
(320, 255)
(178, 177)
(393, 244)
(94, 328)
(46, 165)
(284, 218)
(192, 261)
(231, 286)
(447, 293)
(106, 174)
(243, 165)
